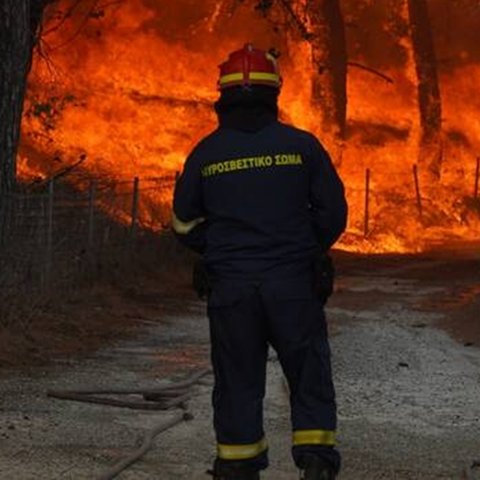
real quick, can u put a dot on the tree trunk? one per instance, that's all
(15, 52)
(329, 57)
(19, 21)
(429, 99)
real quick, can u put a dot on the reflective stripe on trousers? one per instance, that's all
(241, 452)
(314, 437)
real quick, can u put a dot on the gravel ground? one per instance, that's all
(408, 396)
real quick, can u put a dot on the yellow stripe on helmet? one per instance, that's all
(253, 76)
(314, 437)
(241, 452)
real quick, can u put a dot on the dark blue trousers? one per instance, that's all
(245, 317)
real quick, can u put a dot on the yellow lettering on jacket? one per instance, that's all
(260, 162)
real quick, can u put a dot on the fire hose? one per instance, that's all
(165, 397)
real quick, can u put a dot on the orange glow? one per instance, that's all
(132, 89)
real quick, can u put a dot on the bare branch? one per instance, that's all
(371, 70)
(63, 172)
(79, 28)
(64, 18)
(297, 21)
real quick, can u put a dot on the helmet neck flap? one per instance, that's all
(247, 109)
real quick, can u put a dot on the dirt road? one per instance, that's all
(408, 392)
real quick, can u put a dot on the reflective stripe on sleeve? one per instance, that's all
(241, 452)
(314, 437)
(183, 228)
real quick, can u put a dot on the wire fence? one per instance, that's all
(52, 234)
(389, 200)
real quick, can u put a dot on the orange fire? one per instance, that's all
(131, 87)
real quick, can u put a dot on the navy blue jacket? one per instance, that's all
(257, 203)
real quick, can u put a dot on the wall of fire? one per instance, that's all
(129, 85)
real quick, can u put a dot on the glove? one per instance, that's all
(324, 276)
(200, 280)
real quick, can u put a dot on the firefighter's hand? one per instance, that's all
(324, 274)
(200, 281)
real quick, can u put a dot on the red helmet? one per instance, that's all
(250, 66)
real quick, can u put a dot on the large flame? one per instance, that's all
(130, 87)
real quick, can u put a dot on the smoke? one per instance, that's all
(374, 28)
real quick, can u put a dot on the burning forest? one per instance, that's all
(113, 250)
(124, 89)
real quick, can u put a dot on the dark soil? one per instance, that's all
(88, 318)
(457, 272)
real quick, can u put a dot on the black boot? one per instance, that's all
(237, 476)
(233, 471)
(314, 468)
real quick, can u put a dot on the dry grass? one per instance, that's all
(104, 303)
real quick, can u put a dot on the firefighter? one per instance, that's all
(261, 201)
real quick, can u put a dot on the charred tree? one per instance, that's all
(429, 99)
(320, 24)
(329, 58)
(19, 22)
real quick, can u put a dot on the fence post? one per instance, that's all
(49, 251)
(4, 218)
(417, 192)
(91, 214)
(367, 202)
(8, 208)
(477, 177)
(133, 226)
